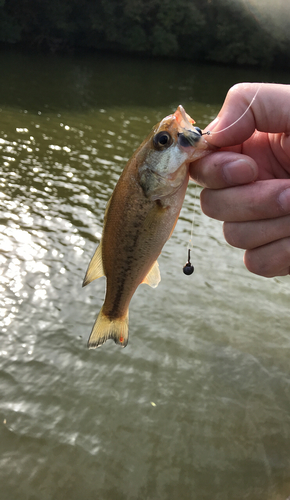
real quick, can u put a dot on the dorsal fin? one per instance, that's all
(95, 269)
(153, 277)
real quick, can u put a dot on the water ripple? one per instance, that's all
(210, 352)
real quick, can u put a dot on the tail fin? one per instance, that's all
(105, 329)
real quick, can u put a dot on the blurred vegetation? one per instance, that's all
(221, 31)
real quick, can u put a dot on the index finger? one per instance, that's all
(269, 112)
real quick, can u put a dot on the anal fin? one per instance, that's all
(153, 278)
(95, 269)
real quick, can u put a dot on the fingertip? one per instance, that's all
(254, 264)
(232, 234)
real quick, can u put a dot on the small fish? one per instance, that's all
(140, 217)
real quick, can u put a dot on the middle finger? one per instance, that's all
(256, 201)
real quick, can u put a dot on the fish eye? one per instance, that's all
(198, 130)
(162, 140)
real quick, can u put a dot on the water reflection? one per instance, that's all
(211, 352)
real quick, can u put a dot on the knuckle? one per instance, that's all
(240, 88)
(236, 88)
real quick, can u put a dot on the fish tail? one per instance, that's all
(105, 329)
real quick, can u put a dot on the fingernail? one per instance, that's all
(239, 172)
(213, 124)
(284, 200)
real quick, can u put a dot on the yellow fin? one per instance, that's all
(105, 329)
(153, 278)
(95, 269)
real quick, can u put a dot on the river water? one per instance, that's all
(197, 407)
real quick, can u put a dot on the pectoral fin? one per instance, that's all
(153, 277)
(95, 269)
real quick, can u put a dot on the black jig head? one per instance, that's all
(188, 268)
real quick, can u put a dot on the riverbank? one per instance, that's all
(216, 31)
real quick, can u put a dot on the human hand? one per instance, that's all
(248, 181)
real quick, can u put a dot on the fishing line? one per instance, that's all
(190, 244)
(238, 119)
(188, 268)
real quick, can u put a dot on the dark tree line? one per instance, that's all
(221, 31)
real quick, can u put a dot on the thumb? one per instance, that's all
(249, 107)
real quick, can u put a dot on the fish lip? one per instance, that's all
(183, 119)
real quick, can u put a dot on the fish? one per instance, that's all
(140, 217)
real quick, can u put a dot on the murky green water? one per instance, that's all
(210, 351)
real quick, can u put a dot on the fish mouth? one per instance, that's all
(188, 138)
(188, 134)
